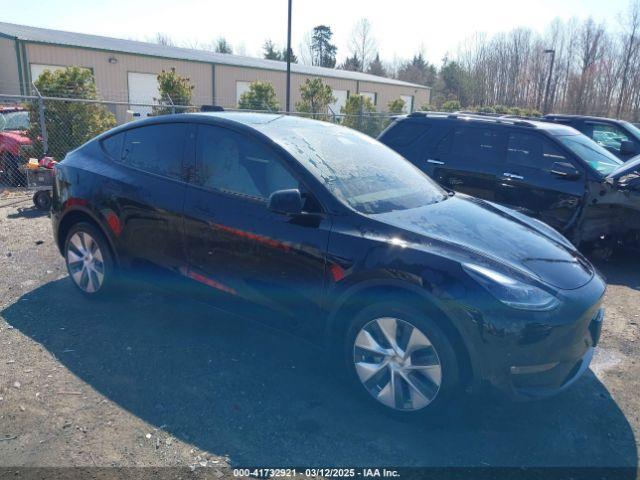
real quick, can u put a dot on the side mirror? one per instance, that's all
(287, 202)
(565, 170)
(627, 147)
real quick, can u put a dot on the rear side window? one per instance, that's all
(477, 144)
(155, 148)
(113, 146)
(404, 133)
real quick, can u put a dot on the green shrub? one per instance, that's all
(451, 106)
(260, 96)
(68, 124)
(316, 98)
(360, 114)
(174, 90)
(396, 106)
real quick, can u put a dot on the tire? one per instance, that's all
(422, 389)
(42, 200)
(89, 260)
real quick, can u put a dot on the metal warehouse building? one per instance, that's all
(126, 70)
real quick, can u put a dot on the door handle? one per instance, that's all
(437, 162)
(513, 176)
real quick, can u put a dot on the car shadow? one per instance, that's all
(622, 269)
(28, 212)
(233, 387)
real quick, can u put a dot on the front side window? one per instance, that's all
(358, 170)
(233, 163)
(153, 148)
(533, 151)
(591, 153)
(609, 136)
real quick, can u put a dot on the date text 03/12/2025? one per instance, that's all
(316, 472)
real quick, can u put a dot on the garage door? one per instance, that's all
(143, 88)
(341, 100)
(408, 103)
(241, 87)
(370, 95)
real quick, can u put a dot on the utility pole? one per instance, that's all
(546, 92)
(288, 101)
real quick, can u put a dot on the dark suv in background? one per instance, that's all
(618, 136)
(546, 170)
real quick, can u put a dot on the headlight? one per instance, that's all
(510, 291)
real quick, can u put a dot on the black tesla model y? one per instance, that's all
(317, 228)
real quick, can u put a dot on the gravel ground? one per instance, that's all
(153, 380)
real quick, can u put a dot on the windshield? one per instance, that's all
(361, 172)
(14, 121)
(593, 154)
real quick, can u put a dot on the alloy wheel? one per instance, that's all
(397, 364)
(85, 262)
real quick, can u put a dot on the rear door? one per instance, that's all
(468, 159)
(528, 184)
(144, 195)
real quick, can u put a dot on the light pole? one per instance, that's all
(288, 100)
(546, 92)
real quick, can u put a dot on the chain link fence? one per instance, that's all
(34, 129)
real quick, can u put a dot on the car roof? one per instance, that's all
(559, 116)
(246, 121)
(521, 122)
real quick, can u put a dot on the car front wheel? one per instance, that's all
(88, 259)
(401, 359)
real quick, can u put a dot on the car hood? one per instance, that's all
(630, 166)
(496, 233)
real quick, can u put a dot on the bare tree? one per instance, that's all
(362, 44)
(630, 46)
(164, 39)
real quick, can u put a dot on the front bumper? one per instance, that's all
(530, 355)
(552, 378)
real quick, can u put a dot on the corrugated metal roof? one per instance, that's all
(59, 37)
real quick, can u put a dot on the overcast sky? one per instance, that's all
(402, 27)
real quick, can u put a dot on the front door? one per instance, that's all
(527, 182)
(239, 247)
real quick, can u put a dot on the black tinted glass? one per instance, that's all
(113, 146)
(481, 144)
(231, 162)
(156, 148)
(405, 133)
(532, 151)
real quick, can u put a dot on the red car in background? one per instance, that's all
(15, 145)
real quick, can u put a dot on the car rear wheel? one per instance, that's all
(42, 200)
(401, 360)
(88, 260)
